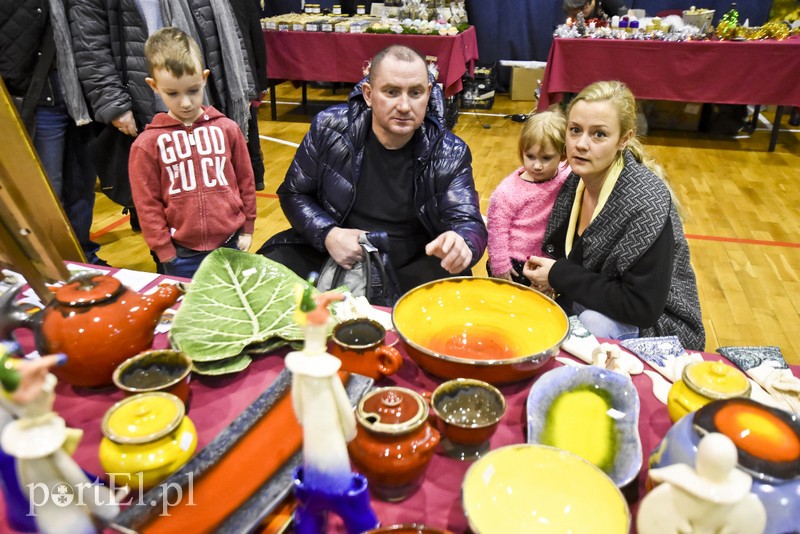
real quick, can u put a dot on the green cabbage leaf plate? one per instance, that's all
(235, 300)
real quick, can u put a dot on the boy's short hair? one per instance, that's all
(545, 128)
(173, 50)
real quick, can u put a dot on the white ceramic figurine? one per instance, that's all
(712, 497)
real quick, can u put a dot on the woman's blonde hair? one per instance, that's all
(545, 128)
(618, 94)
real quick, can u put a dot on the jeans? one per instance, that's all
(603, 326)
(62, 147)
(186, 267)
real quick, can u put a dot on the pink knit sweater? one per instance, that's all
(518, 213)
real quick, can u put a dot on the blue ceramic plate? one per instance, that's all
(591, 412)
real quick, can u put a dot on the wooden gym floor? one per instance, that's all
(740, 210)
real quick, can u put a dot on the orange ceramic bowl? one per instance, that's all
(482, 328)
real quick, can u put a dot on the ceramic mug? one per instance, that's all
(467, 413)
(361, 346)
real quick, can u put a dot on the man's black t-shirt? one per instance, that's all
(385, 200)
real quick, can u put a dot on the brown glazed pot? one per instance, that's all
(99, 323)
(395, 441)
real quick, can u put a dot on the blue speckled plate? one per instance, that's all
(591, 412)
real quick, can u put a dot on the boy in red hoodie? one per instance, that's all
(190, 171)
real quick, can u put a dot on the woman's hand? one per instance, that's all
(343, 246)
(126, 124)
(537, 270)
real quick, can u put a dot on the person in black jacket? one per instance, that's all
(248, 16)
(383, 162)
(60, 121)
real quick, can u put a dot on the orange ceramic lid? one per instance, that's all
(392, 410)
(143, 418)
(716, 380)
(88, 290)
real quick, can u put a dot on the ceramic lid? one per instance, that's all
(716, 380)
(142, 418)
(87, 290)
(392, 410)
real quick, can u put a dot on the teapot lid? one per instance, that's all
(716, 380)
(143, 418)
(87, 289)
(392, 410)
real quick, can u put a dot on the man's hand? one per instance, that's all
(244, 242)
(343, 246)
(126, 124)
(452, 250)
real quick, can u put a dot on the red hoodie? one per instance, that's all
(192, 184)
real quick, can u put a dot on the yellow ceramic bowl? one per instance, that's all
(482, 328)
(535, 488)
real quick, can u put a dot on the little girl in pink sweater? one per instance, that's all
(520, 206)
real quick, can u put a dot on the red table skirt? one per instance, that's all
(722, 72)
(341, 57)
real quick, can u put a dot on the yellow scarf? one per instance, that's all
(605, 192)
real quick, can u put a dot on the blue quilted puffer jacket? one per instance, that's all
(319, 189)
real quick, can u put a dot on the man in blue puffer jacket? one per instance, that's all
(383, 162)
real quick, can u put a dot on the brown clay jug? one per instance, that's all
(98, 323)
(395, 441)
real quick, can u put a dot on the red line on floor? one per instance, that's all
(743, 241)
(110, 227)
(267, 195)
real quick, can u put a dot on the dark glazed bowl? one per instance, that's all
(164, 370)
(481, 328)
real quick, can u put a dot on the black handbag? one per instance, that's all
(110, 150)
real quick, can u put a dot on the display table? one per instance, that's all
(720, 72)
(341, 57)
(217, 401)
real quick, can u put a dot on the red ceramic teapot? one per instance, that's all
(395, 441)
(98, 323)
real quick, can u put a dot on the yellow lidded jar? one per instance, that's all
(703, 382)
(147, 438)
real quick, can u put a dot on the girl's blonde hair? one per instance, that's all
(545, 128)
(618, 94)
(174, 51)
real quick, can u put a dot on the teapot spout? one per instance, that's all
(165, 296)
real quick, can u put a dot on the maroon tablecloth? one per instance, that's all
(216, 401)
(723, 72)
(341, 57)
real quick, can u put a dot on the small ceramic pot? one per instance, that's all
(703, 382)
(768, 444)
(147, 438)
(467, 412)
(155, 370)
(360, 345)
(395, 441)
